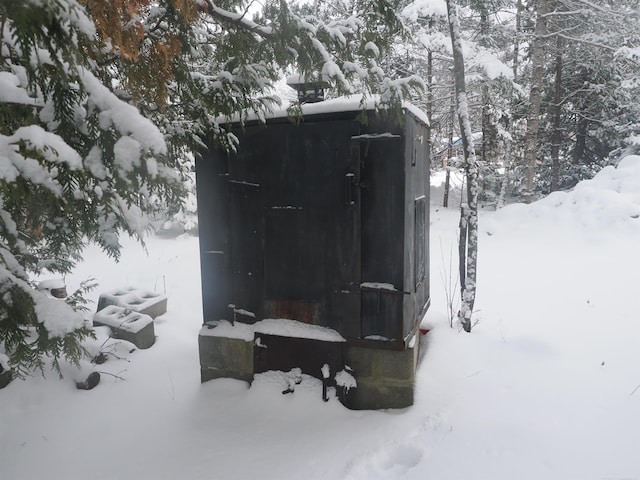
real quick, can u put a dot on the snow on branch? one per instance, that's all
(74, 13)
(11, 92)
(435, 41)
(582, 39)
(480, 58)
(120, 115)
(600, 9)
(492, 66)
(57, 316)
(392, 90)
(51, 146)
(630, 53)
(425, 8)
(238, 19)
(17, 150)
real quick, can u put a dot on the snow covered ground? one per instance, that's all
(545, 387)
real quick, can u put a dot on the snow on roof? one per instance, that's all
(351, 103)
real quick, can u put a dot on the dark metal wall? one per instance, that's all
(316, 222)
(416, 223)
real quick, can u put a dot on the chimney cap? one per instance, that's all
(310, 88)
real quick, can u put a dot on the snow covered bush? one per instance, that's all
(77, 165)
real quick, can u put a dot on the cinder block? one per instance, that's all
(5, 377)
(385, 377)
(224, 357)
(125, 324)
(141, 301)
(378, 396)
(6, 374)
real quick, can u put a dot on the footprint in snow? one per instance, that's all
(390, 462)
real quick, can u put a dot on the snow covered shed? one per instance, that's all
(314, 250)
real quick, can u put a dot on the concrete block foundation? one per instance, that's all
(385, 378)
(224, 357)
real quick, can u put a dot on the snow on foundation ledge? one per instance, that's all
(379, 286)
(223, 328)
(292, 328)
(272, 326)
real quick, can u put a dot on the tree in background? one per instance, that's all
(564, 112)
(586, 66)
(586, 108)
(538, 51)
(468, 243)
(468, 66)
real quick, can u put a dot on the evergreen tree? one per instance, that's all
(77, 165)
(585, 116)
(99, 101)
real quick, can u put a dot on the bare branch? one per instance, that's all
(600, 9)
(581, 40)
(114, 375)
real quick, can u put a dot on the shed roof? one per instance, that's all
(352, 103)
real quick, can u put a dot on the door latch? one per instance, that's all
(351, 184)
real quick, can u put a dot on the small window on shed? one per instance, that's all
(420, 241)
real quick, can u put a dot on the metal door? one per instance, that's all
(312, 227)
(382, 220)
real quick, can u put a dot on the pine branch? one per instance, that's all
(237, 19)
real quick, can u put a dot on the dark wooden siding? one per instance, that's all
(295, 222)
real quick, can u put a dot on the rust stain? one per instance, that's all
(305, 312)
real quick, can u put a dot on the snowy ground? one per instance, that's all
(543, 388)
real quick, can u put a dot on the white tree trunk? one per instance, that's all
(535, 98)
(468, 246)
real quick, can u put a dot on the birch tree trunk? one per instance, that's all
(535, 98)
(556, 138)
(516, 42)
(447, 182)
(487, 132)
(430, 96)
(507, 175)
(468, 245)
